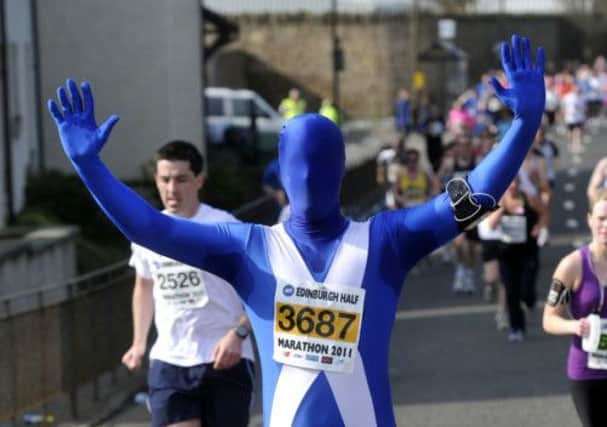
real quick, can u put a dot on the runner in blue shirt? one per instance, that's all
(320, 290)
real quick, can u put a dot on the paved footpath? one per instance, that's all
(449, 365)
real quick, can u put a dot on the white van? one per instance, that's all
(229, 114)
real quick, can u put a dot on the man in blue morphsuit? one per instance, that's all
(320, 290)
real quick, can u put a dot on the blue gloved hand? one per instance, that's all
(526, 92)
(80, 136)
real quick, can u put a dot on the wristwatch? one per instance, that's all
(241, 332)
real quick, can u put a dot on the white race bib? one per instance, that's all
(180, 286)
(513, 228)
(597, 359)
(317, 326)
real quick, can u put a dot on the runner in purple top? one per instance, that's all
(579, 281)
(585, 301)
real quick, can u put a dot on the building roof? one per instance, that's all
(235, 7)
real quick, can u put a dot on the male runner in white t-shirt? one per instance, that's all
(201, 363)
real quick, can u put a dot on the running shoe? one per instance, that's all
(468, 284)
(458, 281)
(516, 336)
(501, 322)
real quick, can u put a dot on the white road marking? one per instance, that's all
(572, 223)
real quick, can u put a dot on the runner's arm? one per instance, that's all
(217, 248)
(143, 314)
(430, 225)
(597, 178)
(568, 272)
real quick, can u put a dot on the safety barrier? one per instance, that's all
(60, 344)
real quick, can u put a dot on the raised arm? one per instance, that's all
(565, 279)
(525, 96)
(432, 224)
(186, 241)
(597, 179)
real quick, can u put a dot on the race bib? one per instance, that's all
(513, 228)
(414, 197)
(180, 286)
(316, 326)
(598, 358)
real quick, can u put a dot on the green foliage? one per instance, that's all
(54, 198)
(232, 179)
(57, 198)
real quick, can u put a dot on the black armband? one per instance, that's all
(559, 294)
(467, 211)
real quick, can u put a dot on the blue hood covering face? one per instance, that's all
(312, 159)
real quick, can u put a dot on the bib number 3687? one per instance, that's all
(317, 322)
(317, 326)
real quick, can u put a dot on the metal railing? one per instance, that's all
(69, 335)
(60, 338)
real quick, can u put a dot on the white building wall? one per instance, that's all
(43, 258)
(22, 114)
(143, 59)
(22, 102)
(3, 195)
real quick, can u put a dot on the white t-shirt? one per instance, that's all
(552, 100)
(530, 167)
(485, 232)
(549, 152)
(193, 309)
(574, 108)
(386, 159)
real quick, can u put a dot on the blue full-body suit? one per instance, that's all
(312, 165)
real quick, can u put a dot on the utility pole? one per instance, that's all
(413, 40)
(37, 85)
(8, 149)
(338, 57)
(203, 78)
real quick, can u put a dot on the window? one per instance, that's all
(214, 106)
(242, 108)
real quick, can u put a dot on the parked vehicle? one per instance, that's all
(240, 117)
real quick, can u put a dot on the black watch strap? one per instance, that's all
(241, 332)
(466, 210)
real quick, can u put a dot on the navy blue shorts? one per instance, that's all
(217, 397)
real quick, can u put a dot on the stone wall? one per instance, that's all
(274, 53)
(33, 260)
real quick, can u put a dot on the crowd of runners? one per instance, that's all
(455, 142)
